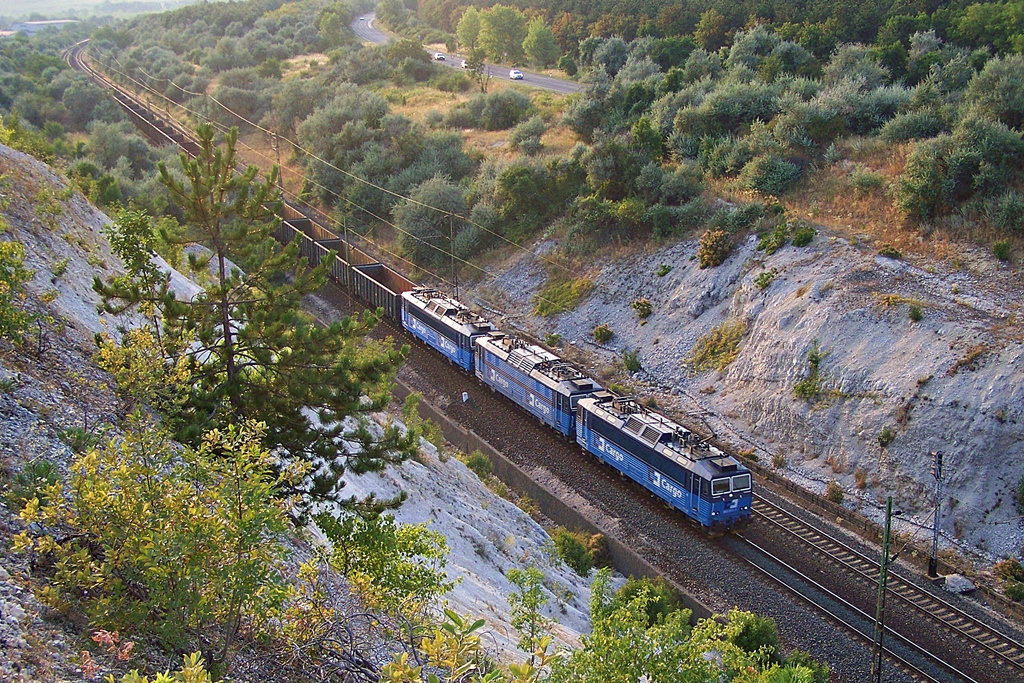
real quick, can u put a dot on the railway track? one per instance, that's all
(1001, 652)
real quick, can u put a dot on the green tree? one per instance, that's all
(502, 32)
(468, 29)
(394, 567)
(249, 349)
(540, 44)
(997, 93)
(428, 223)
(525, 604)
(712, 31)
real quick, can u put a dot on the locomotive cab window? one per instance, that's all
(720, 487)
(741, 482)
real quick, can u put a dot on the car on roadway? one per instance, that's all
(439, 57)
(362, 18)
(464, 65)
(515, 75)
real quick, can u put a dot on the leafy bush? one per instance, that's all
(1006, 213)
(803, 233)
(499, 110)
(915, 313)
(526, 136)
(717, 348)
(770, 175)
(663, 599)
(1009, 570)
(714, 248)
(451, 80)
(1018, 498)
(1001, 250)
(771, 242)
(913, 125)
(764, 279)
(138, 557)
(631, 361)
(834, 492)
(1015, 592)
(479, 463)
(553, 339)
(865, 182)
(572, 548)
(886, 436)
(810, 387)
(14, 318)
(889, 251)
(642, 307)
(941, 174)
(603, 333)
(192, 670)
(34, 481)
(663, 270)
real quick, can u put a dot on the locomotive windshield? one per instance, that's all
(741, 482)
(720, 487)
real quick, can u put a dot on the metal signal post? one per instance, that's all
(933, 561)
(883, 579)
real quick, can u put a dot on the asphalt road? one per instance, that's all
(363, 27)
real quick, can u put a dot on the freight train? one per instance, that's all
(672, 462)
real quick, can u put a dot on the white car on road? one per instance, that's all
(515, 75)
(439, 57)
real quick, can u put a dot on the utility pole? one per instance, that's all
(883, 579)
(933, 561)
(451, 250)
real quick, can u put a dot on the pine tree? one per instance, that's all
(251, 352)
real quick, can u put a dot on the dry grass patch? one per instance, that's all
(300, 63)
(558, 140)
(719, 347)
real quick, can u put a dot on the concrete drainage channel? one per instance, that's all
(624, 559)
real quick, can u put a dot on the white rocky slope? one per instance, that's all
(951, 382)
(42, 395)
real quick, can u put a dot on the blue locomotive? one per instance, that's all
(443, 324)
(535, 379)
(677, 465)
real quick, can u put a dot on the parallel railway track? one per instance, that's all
(1005, 653)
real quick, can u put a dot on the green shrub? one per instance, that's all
(810, 387)
(764, 279)
(803, 233)
(914, 125)
(553, 339)
(14, 319)
(770, 175)
(717, 348)
(771, 242)
(1006, 213)
(663, 598)
(602, 333)
(631, 361)
(34, 481)
(1009, 570)
(886, 436)
(834, 492)
(713, 248)
(573, 548)
(479, 463)
(1018, 498)
(1001, 250)
(890, 251)
(663, 270)
(914, 313)
(642, 307)
(499, 110)
(451, 80)
(526, 136)
(138, 558)
(865, 182)
(1015, 592)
